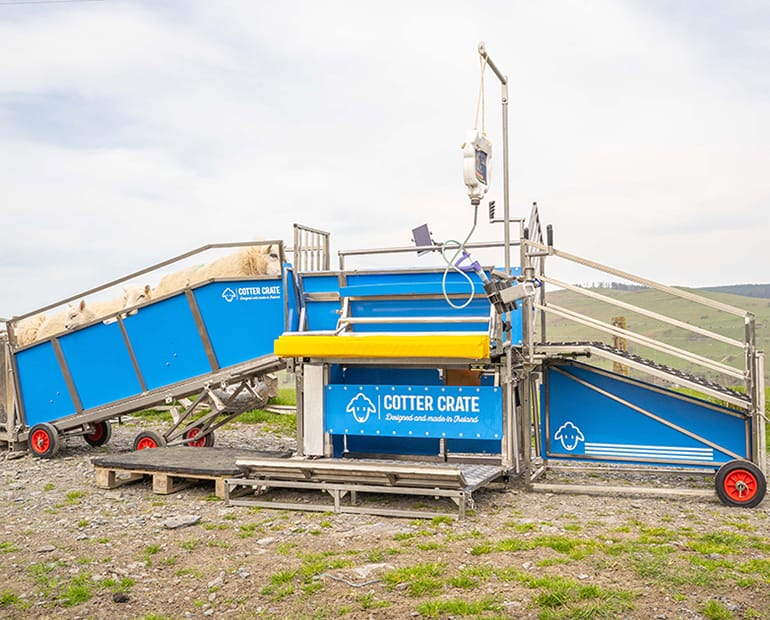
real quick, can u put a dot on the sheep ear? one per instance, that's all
(82, 304)
(147, 289)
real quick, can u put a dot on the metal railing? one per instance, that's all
(310, 251)
(749, 371)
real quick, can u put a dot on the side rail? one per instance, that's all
(412, 301)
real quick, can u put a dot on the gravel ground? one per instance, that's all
(71, 550)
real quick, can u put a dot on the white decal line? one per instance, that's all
(645, 447)
(679, 455)
(695, 455)
(621, 450)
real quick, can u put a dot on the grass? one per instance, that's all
(575, 548)
(285, 582)
(714, 610)
(9, 599)
(370, 601)
(419, 580)
(190, 544)
(276, 422)
(442, 608)
(72, 498)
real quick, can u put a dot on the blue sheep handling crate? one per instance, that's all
(216, 333)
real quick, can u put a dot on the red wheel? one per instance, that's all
(43, 440)
(202, 442)
(148, 439)
(100, 436)
(740, 483)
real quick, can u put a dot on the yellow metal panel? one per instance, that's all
(462, 346)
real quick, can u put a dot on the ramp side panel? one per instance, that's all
(582, 423)
(292, 294)
(167, 343)
(321, 315)
(100, 364)
(44, 391)
(242, 318)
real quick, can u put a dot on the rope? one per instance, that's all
(480, 101)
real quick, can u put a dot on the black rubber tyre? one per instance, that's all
(43, 440)
(740, 483)
(101, 435)
(204, 442)
(148, 439)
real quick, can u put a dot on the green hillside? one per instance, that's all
(745, 290)
(563, 330)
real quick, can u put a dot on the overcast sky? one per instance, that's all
(132, 131)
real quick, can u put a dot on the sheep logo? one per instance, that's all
(229, 294)
(569, 435)
(361, 408)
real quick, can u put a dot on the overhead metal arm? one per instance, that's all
(506, 205)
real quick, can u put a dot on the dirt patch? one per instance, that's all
(71, 550)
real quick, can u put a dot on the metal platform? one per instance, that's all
(342, 477)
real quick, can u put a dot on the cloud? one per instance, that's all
(134, 132)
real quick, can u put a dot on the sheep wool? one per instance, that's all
(26, 330)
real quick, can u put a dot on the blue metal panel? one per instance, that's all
(581, 423)
(321, 315)
(420, 282)
(473, 446)
(319, 282)
(44, 392)
(100, 364)
(407, 306)
(385, 445)
(167, 343)
(414, 411)
(291, 286)
(390, 376)
(242, 318)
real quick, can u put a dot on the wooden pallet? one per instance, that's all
(162, 483)
(172, 469)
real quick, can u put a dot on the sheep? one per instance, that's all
(178, 280)
(76, 315)
(26, 330)
(130, 297)
(41, 326)
(247, 261)
(136, 295)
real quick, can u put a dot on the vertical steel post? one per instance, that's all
(511, 414)
(759, 419)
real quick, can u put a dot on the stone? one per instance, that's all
(180, 521)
